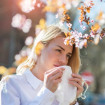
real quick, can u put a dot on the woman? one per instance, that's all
(38, 77)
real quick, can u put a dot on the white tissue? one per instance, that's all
(66, 93)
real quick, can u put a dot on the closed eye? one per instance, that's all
(59, 50)
(68, 56)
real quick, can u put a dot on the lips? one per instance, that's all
(56, 65)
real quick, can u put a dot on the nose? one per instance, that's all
(63, 60)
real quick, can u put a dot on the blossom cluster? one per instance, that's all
(96, 32)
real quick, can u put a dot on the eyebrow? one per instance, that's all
(61, 47)
(64, 49)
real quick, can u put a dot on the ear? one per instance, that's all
(38, 48)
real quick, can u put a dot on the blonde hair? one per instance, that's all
(44, 37)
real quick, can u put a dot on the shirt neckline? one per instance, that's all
(33, 80)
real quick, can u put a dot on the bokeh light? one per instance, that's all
(27, 5)
(19, 21)
(29, 40)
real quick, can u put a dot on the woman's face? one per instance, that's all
(55, 54)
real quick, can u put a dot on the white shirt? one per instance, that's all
(25, 89)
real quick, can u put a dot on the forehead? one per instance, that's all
(59, 41)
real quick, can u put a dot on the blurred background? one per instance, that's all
(22, 20)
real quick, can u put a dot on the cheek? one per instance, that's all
(49, 58)
(50, 55)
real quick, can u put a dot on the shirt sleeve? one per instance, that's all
(9, 95)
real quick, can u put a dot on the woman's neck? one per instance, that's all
(38, 72)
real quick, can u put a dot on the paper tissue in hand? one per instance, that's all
(66, 93)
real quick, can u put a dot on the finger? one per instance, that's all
(54, 69)
(57, 81)
(57, 76)
(76, 84)
(77, 76)
(76, 80)
(58, 70)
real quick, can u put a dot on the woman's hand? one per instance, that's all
(52, 78)
(77, 81)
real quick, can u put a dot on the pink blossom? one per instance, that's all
(81, 44)
(69, 25)
(92, 20)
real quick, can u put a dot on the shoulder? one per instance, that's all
(14, 77)
(12, 81)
